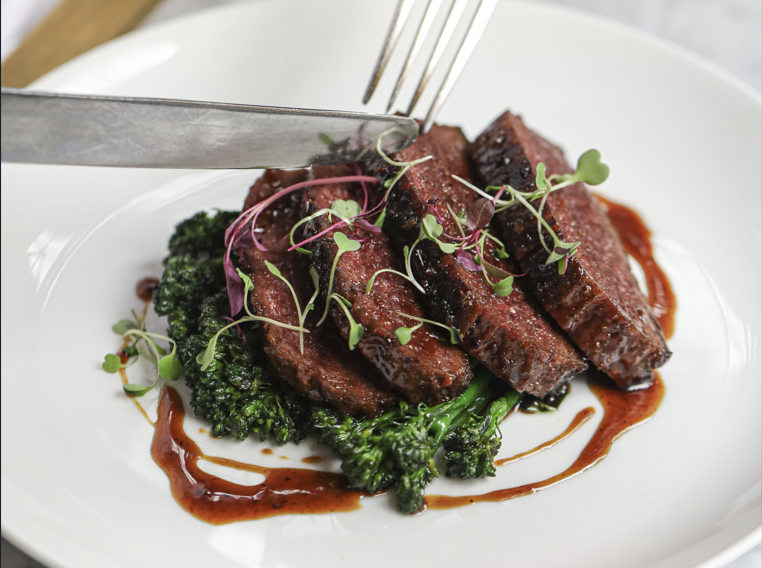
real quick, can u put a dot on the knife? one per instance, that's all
(53, 128)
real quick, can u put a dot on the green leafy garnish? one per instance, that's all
(112, 363)
(122, 326)
(356, 330)
(455, 334)
(405, 334)
(345, 244)
(348, 208)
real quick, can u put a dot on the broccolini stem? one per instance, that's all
(444, 414)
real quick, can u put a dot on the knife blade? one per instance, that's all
(54, 128)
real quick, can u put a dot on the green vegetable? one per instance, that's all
(398, 447)
(234, 392)
(471, 447)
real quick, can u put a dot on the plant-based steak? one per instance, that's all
(596, 301)
(510, 335)
(327, 371)
(426, 369)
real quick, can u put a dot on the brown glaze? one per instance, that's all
(582, 416)
(145, 288)
(636, 239)
(285, 491)
(622, 411)
(312, 459)
(267, 452)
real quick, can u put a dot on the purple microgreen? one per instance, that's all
(344, 244)
(480, 214)
(405, 334)
(367, 227)
(455, 333)
(356, 330)
(235, 286)
(466, 259)
(123, 326)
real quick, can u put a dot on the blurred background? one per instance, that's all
(39, 35)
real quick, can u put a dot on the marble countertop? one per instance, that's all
(726, 32)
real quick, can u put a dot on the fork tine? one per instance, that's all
(428, 19)
(401, 15)
(456, 9)
(473, 35)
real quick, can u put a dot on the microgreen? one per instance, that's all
(480, 214)
(247, 223)
(122, 326)
(455, 334)
(325, 139)
(112, 363)
(590, 170)
(344, 244)
(346, 208)
(168, 365)
(405, 334)
(356, 330)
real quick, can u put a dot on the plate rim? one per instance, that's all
(730, 80)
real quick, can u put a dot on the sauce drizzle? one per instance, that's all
(582, 416)
(217, 501)
(636, 239)
(622, 411)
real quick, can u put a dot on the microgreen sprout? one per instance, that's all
(390, 183)
(206, 357)
(590, 170)
(405, 334)
(344, 244)
(356, 330)
(455, 334)
(168, 365)
(430, 229)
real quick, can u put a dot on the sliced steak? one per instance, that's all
(597, 300)
(510, 335)
(426, 369)
(327, 371)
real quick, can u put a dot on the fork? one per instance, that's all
(475, 30)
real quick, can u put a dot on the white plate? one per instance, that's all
(79, 486)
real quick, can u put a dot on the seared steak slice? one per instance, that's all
(511, 335)
(327, 371)
(426, 369)
(597, 300)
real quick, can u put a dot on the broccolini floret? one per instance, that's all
(398, 447)
(236, 394)
(471, 447)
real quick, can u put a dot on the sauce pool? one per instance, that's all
(218, 501)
